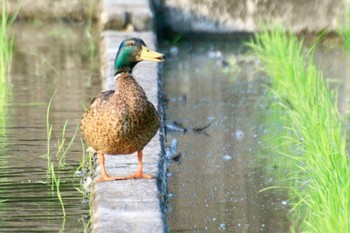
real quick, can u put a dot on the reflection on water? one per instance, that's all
(4, 95)
(46, 58)
(216, 186)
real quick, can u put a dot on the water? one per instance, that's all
(213, 185)
(57, 58)
(216, 181)
(216, 185)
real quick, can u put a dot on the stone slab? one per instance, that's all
(120, 14)
(229, 16)
(130, 205)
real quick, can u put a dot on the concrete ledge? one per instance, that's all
(229, 16)
(130, 205)
(121, 14)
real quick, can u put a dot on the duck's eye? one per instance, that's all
(130, 44)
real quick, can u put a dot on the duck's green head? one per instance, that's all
(131, 51)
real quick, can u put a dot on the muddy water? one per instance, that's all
(215, 185)
(57, 58)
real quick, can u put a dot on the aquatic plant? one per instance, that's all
(6, 48)
(63, 147)
(344, 30)
(59, 156)
(320, 183)
(56, 181)
(6, 44)
(85, 170)
(86, 162)
(48, 130)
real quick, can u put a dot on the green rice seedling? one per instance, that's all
(320, 182)
(6, 44)
(83, 105)
(58, 155)
(48, 124)
(87, 226)
(86, 168)
(56, 181)
(86, 162)
(48, 134)
(62, 230)
(6, 48)
(63, 149)
(344, 32)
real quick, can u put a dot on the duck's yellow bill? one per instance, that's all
(150, 55)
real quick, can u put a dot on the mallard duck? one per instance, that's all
(123, 121)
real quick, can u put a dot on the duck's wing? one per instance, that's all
(103, 96)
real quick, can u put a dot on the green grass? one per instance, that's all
(320, 181)
(63, 146)
(344, 32)
(56, 181)
(56, 160)
(58, 155)
(6, 44)
(6, 48)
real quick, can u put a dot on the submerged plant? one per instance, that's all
(314, 129)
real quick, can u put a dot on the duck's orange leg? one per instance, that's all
(139, 174)
(105, 177)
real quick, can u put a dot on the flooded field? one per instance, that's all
(215, 175)
(48, 59)
(215, 182)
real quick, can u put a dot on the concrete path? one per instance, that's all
(129, 205)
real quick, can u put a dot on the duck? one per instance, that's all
(122, 121)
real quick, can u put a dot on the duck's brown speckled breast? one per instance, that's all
(120, 122)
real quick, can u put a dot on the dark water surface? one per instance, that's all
(215, 186)
(47, 58)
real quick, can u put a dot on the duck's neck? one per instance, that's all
(122, 64)
(126, 83)
(122, 69)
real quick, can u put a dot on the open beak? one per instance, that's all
(147, 54)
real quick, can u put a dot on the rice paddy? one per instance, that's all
(6, 47)
(314, 137)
